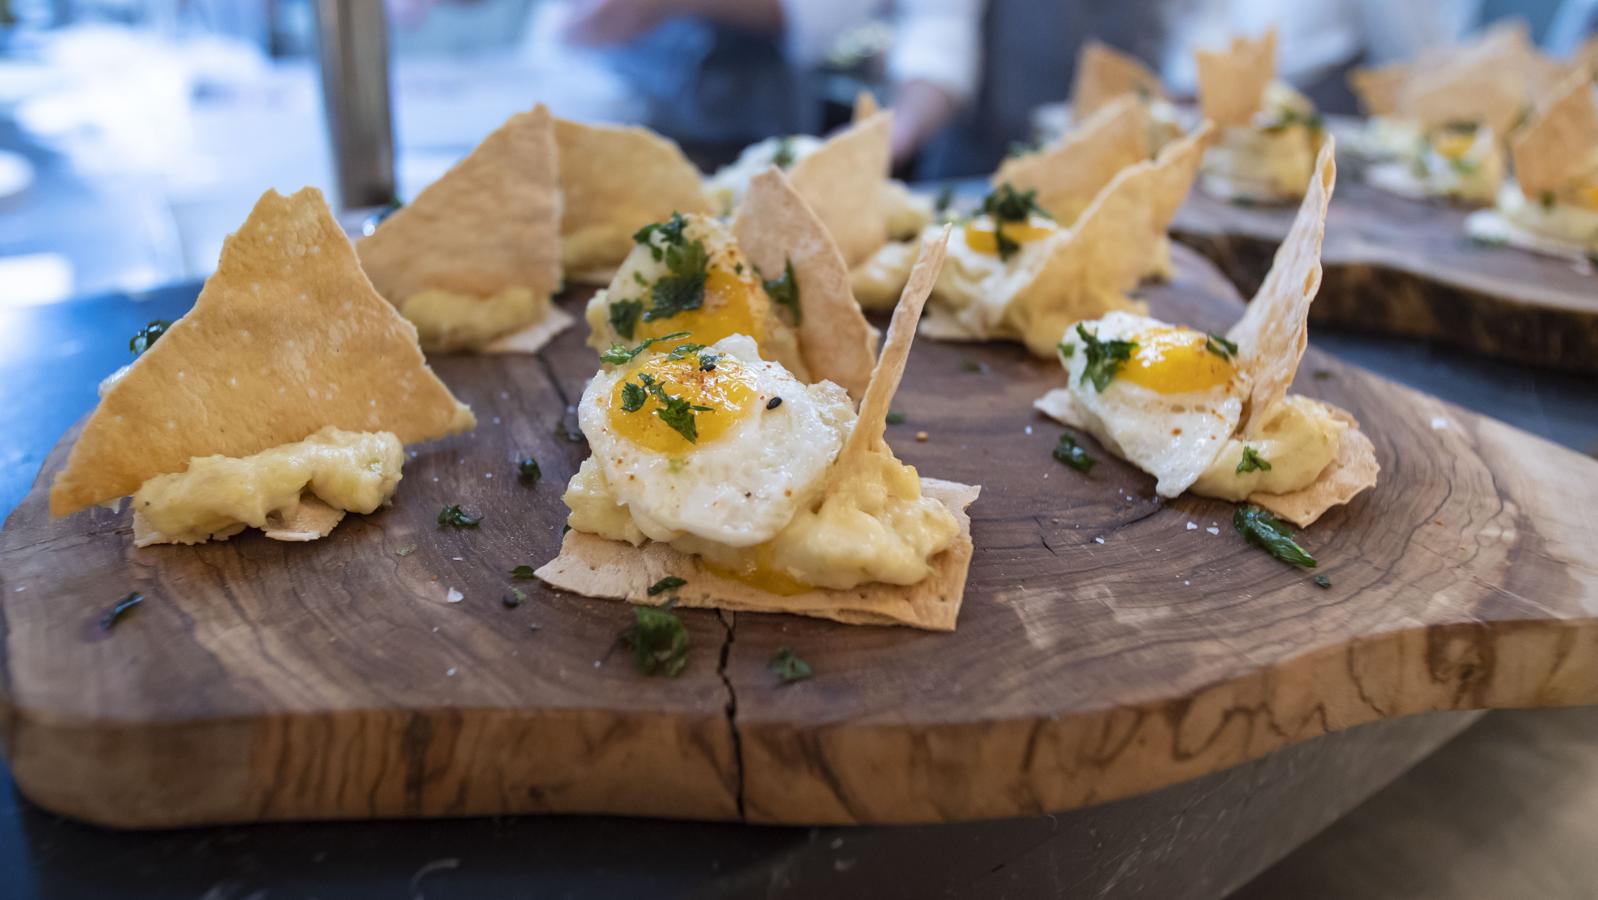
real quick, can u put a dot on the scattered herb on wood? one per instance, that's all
(122, 608)
(528, 472)
(658, 640)
(456, 517)
(788, 667)
(1072, 454)
(522, 573)
(1322, 582)
(1270, 534)
(894, 417)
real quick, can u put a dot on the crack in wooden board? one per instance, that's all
(264, 681)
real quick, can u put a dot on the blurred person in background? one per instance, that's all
(720, 74)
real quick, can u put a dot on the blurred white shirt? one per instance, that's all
(937, 41)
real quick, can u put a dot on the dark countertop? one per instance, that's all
(51, 358)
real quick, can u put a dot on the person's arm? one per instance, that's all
(935, 65)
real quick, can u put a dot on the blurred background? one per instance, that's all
(135, 134)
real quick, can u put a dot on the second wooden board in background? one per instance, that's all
(1110, 642)
(1406, 267)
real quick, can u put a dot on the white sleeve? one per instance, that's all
(938, 41)
(811, 27)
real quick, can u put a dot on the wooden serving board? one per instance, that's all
(1406, 267)
(1110, 642)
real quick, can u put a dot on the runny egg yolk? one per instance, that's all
(758, 570)
(728, 390)
(1454, 146)
(729, 308)
(1175, 361)
(980, 233)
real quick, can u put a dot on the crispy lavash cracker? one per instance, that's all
(1232, 82)
(615, 180)
(492, 222)
(596, 567)
(1379, 87)
(1271, 339)
(865, 106)
(1104, 74)
(288, 336)
(311, 520)
(1557, 145)
(842, 182)
(1094, 268)
(1068, 174)
(776, 227)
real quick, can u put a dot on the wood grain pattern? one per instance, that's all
(270, 681)
(1405, 267)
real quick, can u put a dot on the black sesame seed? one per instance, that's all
(773, 403)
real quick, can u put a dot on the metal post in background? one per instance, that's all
(352, 40)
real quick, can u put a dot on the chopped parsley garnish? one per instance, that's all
(528, 472)
(145, 337)
(1322, 582)
(122, 607)
(1104, 358)
(1066, 350)
(1290, 117)
(1252, 461)
(456, 517)
(671, 231)
(639, 279)
(894, 417)
(1006, 204)
(1270, 534)
(658, 640)
(1072, 454)
(624, 315)
(784, 156)
(522, 573)
(669, 583)
(773, 403)
(784, 292)
(684, 288)
(1220, 346)
(683, 351)
(1463, 166)
(619, 354)
(788, 667)
(514, 598)
(676, 412)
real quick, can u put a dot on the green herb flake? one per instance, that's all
(683, 289)
(708, 360)
(1104, 358)
(788, 667)
(894, 417)
(456, 517)
(1065, 350)
(1547, 199)
(784, 292)
(784, 155)
(670, 231)
(624, 315)
(522, 573)
(1220, 346)
(632, 397)
(669, 583)
(1072, 454)
(122, 608)
(683, 351)
(641, 281)
(1008, 205)
(1252, 461)
(1323, 374)
(145, 337)
(1270, 534)
(658, 640)
(619, 354)
(1322, 582)
(528, 472)
(514, 599)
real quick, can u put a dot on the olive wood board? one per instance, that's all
(1110, 642)
(1406, 267)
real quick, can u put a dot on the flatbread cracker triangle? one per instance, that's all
(490, 223)
(615, 180)
(865, 106)
(1175, 169)
(776, 227)
(1378, 88)
(842, 181)
(287, 337)
(1104, 74)
(595, 567)
(1232, 82)
(1557, 145)
(1070, 173)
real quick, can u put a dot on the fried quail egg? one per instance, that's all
(713, 441)
(1167, 403)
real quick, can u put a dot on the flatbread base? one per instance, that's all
(1488, 226)
(532, 338)
(614, 570)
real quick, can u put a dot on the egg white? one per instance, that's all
(1137, 423)
(745, 486)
